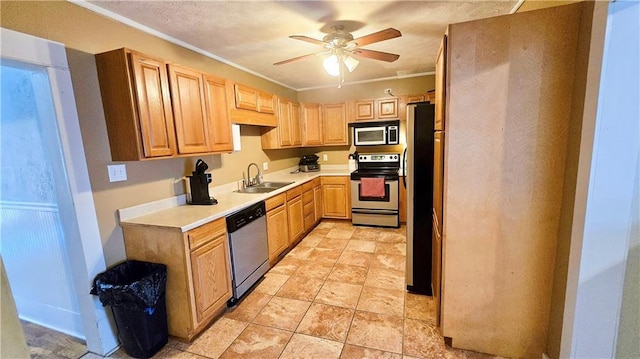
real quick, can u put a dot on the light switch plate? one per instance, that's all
(117, 173)
(265, 165)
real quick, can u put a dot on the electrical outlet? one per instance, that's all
(265, 166)
(325, 157)
(117, 173)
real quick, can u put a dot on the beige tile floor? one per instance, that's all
(339, 294)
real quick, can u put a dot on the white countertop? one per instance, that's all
(175, 213)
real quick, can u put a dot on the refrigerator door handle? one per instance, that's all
(404, 169)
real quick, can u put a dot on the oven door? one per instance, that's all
(388, 202)
(366, 136)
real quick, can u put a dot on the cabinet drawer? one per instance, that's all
(293, 193)
(308, 208)
(206, 232)
(335, 180)
(275, 201)
(309, 221)
(307, 186)
(307, 196)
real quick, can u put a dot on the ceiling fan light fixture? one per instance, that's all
(351, 63)
(332, 65)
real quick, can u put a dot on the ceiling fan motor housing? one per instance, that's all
(338, 37)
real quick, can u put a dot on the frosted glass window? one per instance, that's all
(33, 243)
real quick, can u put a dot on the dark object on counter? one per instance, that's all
(309, 163)
(199, 185)
(135, 291)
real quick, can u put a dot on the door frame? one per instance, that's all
(86, 256)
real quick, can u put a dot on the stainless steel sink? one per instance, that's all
(264, 187)
(275, 185)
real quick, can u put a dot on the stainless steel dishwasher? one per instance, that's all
(247, 230)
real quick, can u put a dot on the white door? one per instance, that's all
(32, 182)
(51, 245)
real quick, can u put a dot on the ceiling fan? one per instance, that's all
(342, 48)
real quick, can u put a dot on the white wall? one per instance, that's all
(611, 218)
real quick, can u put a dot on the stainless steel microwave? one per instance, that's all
(378, 133)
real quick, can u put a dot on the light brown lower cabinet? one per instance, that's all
(308, 207)
(277, 226)
(336, 197)
(295, 214)
(317, 200)
(198, 271)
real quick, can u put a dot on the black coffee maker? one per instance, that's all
(199, 185)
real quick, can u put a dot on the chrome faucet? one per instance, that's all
(255, 180)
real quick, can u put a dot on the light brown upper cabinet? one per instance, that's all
(334, 117)
(248, 98)
(294, 124)
(266, 103)
(287, 133)
(365, 110)
(428, 96)
(311, 119)
(387, 108)
(155, 110)
(137, 105)
(253, 107)
(189, 113)
(376, 109)
(217, 110)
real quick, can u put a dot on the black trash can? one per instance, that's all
(135, 290)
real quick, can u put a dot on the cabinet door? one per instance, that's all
(154, 105)
(187, 98)
(335, 197)
(295, 218)
(277, 232)
(211, 276)
(266, 103)
(246, 97)
(441, 85)
(218, 114)
(311, 124)
(284, 122)
(415, 98)
(317, 201)
(294, 125)
(334, 130)
(387, 108)
(365, 110)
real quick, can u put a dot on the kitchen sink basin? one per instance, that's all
(264, 187)
(273, 184)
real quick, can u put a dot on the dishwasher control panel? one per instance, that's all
(245, 216)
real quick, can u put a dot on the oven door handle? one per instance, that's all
(374, 211)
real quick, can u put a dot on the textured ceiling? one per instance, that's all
(252, 35)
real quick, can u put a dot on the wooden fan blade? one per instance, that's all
(382, 35)
(308, 39)
(376, 55)
(297, 58)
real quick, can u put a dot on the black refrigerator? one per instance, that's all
(418, 174)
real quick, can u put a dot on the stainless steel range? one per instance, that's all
(374, 190)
